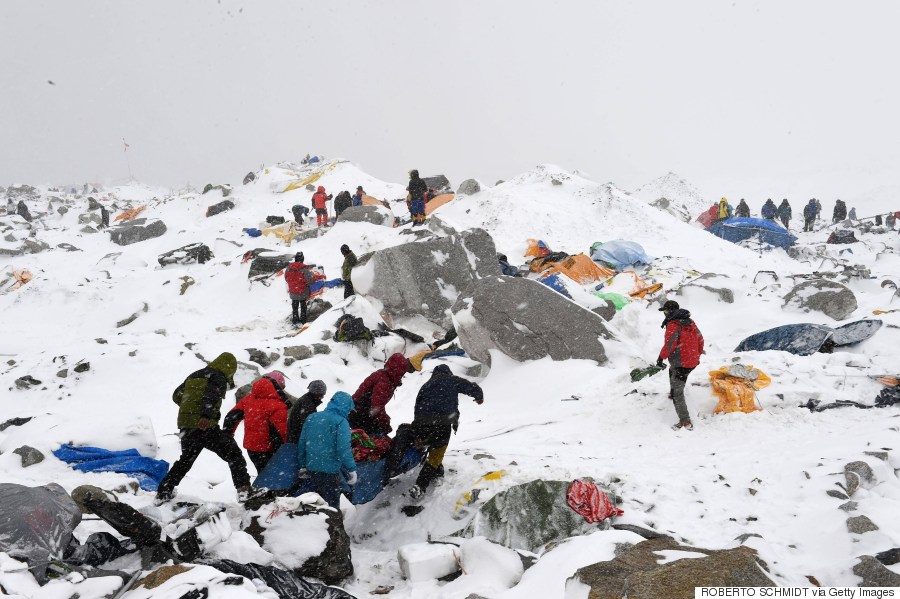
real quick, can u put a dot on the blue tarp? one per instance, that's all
(807, 339)
(553, 282)
(739, 229)
(326, 284)
(253, 232)
(619, 253)
(147, 471)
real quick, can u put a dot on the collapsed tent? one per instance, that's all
(312, 178)
(36, 524)
(709, 217)
(285, 231)
(842, 236)
(130, 214)
(619, 253)
(807, 339)
(147, 471)
(438, 201)
(536, 248)
(581, 269)
(736, 387)
(740, 229)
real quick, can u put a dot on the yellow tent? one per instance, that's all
(285, 232)
(581, 269)
(735, 386)
(300, 183)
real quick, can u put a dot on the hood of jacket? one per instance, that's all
(225, 363)
(265, 389)
(680, 315)
(341, 404)
(396, 366)
(442, 370)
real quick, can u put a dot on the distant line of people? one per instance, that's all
(812, 212)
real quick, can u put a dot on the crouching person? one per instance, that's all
(436, 416)
(324, 449)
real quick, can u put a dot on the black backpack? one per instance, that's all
(351, 328)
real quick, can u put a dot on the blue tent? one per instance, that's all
(807, 339)
(619, 253)
(739, 229)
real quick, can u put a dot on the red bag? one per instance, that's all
(589, 501)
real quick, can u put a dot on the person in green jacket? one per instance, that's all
(347, 270)
(199, 400)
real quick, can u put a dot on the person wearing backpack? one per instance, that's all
(784, 212)
(742, 210)
(324, 449)
(809, 215)
(318, 203)
(306, 405)
(347, 270)
(358, 196)
(682, 348)
(436, 418)
(375, 392)
(769, 210)
(342, 202)
(199, 400)
(417, 189)
(299, 280)
(264, 414)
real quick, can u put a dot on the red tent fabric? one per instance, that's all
(589, 501)
(708, 218)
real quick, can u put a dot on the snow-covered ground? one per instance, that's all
(765, 473)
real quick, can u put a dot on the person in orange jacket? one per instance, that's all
(318, 202)
(265, 415)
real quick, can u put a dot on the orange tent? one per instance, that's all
(130, 214)
(370, 201)
(437, 202)
(582, 269)
(735, 386)
(536, 248)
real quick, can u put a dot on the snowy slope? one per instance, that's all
(683, 197)
(540, 420)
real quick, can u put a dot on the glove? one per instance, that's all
(203, 423)
(351, 478)
(659, 363)
(479, 401)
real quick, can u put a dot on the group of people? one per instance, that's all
(272, 417)
(319, 204)
(769, 211)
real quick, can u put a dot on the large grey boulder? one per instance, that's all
(529, 516)
(367, 214)
(469, 187)
(874, 574)
(526, 320)
(426, 277)
(828, 297)
(637, 572)
(133, 233)
(856, 474)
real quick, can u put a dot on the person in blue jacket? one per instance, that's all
(436, 415)
(324, 449)
(358, 196)
(769, 210)
(810, 211)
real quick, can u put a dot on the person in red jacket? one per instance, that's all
(372, 396)
(299, 280)
(318, 201)
(265, 422)
(682, 347)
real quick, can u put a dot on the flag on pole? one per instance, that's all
(126, 144)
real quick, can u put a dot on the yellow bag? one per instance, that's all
(735, 387)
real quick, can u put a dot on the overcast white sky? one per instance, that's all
(741, 98)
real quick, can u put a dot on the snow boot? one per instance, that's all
(683, 425)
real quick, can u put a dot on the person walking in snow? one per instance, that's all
(199, 400)
(358, 196)
(277, 378)
(742, 210)
(725, 210)
(784, 213)
(809, 215)
(682, 348)
(347, 270)
(324, 449)
(306, 404)
(818, 209)
(375, 392)
(299, 280)
(769, 211)
(436, 416)
(417, 189)
(318, 203)
(264, 414)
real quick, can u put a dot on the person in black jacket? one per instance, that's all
(742, 210)
(436, 416)
(840, 211)
(343, 201)
(306, 404)
(417, 189)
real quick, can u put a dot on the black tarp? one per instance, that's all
(284, 583)
(805, 339)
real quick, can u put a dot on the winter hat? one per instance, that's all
(345, 249)
(298, 257)
(321, 189)
(669, 305)
(317, 387)
(277, 377)
(359, 188)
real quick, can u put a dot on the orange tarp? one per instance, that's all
(582, 269)
(437, 202)
(736, 387)
(130, 214)
(536, 249)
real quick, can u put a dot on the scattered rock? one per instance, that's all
(26, 382)
(468, 187)
(63, 373)
(316, 308)
(19, 421)
(638, 572)
(860, 525)
(88, 229)
(186, 282)
(874, 574)
(89, 218)
(262, 358)
(850, 506)
(225, 189)
(194, 253)
(30, 246)
(606, 312)
(62, 210)
(747, 535)
(129, 233)
(881, 455)
(249, 178)
(298, 352)
(857, 473)
(528, 516)
(723, 294)
(68, 247)
(836, 494)
(437, 225)
(320, 349)
(367, 214)
(426, 278)
(30, 456)
(82, 367)
(829, 297)
(131, 318)
(526, 321)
